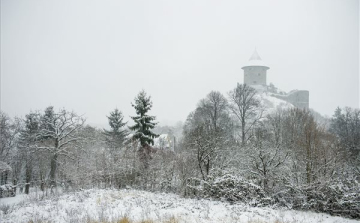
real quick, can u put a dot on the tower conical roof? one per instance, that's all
(255, 60)
(255, 56)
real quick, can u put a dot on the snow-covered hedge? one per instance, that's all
(7, 190)
(230, 188)
(334, 199)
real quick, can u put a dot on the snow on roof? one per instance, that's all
(4, 167)
(255, 56)
(255, 60)
(164, 141)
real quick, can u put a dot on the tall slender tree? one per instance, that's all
(143, 122)
(247, 109)
(116, 136)
(143, 126)
(28, 140)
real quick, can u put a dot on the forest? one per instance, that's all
(231, 148)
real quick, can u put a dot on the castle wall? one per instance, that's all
(255, 75)
(299, 98)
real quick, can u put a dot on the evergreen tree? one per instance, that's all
(27, 140)
(143, 122)
(116, 136)
(345, 123)
(47, 122)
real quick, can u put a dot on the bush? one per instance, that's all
(230, 188)
(7, 190)
(334, 199)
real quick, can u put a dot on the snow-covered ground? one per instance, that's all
(272, 104)
(111, 205)
(14, 200)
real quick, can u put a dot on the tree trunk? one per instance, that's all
(53, 170)
(207, 167)
(199, 163)
(42, 183)
(243, 133)
(28, 177)
(53, 166)
(15, 184)
(308, 161)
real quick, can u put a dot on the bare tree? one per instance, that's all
(205, 144)
(214, 108)
(9, 130)
(246, 108)
(205, 131)
(267, 156)
(59, 137)
(313, 150)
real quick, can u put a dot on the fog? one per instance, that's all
(94, 56)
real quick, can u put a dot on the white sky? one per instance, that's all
(92, 56)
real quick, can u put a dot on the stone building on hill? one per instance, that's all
(255, 76)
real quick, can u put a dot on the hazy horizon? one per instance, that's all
(95, 56)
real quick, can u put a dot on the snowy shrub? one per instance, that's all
(4, 208)
(334, 199)
(7, 190)
(229, 188)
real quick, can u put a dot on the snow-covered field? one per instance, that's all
(112, 205)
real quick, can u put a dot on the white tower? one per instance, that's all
(255, 71)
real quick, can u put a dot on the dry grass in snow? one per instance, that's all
(133, 206)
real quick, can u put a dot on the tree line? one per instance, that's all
(232, 147)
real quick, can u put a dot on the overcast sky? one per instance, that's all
(93, 56)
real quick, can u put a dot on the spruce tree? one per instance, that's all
(47, 122)
(27, 141)
(116, 136)
(143, 122)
